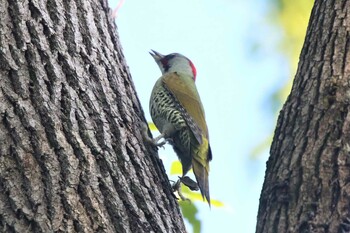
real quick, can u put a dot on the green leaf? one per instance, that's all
(261, 147)
(189, 212)
(196, 196)
(152, 126)
(176, 168)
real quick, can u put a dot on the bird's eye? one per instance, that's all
(165, 63)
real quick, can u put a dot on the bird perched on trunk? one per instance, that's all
(177, 111)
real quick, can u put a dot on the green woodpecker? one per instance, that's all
(177, 111)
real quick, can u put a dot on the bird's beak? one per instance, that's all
(157, 56)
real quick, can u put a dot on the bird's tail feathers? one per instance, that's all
(201, 174)
(200, 166)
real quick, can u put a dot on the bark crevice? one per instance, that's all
(72, 158)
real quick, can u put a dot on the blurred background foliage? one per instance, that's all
(291, 17)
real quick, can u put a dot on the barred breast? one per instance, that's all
(167, 115)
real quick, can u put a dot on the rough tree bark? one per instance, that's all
(307, 181)
(72, 158)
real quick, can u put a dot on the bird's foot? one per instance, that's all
(176, 187)
(148, 139)
(191, 184)
(155, 140)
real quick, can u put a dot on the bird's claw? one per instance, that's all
(158, 144)
(162, 143)
(191, 184)
(177, 188)
(148, 139)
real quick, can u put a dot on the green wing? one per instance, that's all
(184, 90)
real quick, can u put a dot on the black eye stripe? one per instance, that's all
(165, 64)
(165, 61)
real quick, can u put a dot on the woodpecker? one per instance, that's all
(176, 109)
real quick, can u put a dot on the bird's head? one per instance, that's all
(174, 62)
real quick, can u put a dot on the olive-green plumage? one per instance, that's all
(177, 111)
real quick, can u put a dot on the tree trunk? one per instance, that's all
(72, 158)
(306, 186)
